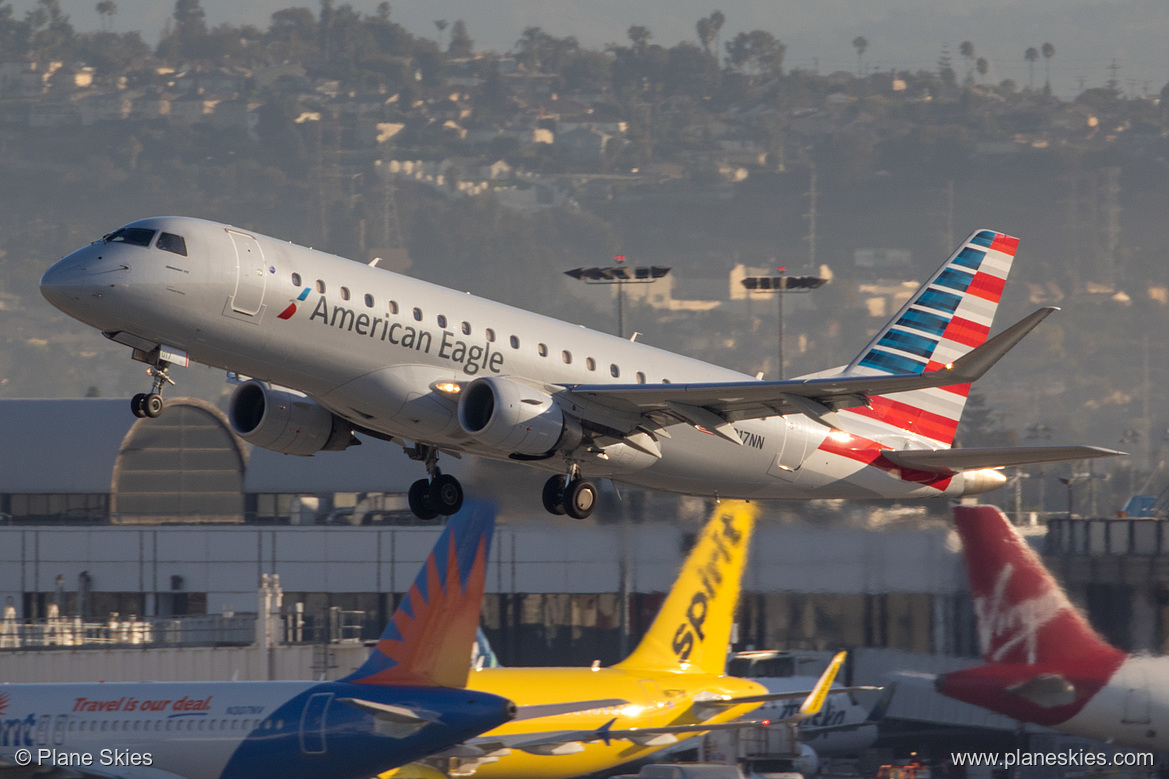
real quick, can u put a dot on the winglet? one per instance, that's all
(428, 640)
(972, 365)
(815, 700)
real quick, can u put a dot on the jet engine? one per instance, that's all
(515, 418)
(286, 421)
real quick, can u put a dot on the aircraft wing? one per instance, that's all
(952, 460)
(714, 405)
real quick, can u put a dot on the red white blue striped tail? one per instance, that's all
(947, 317)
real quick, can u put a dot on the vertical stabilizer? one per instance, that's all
(948, 316)
(429, 639)
(693, 628)
(1023, 615)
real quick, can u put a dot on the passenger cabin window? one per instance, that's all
(566, 356)
(368, 300)
(135, 236)
(542, 349)
(466, 328)
(344, 293)
(320, 286)
(590, 363)
(169, 242)
(442, 321)
(393, 306)
(490, 334)
(418, 314)
(615, 371)
(515, 342)
(640, 377)
(296, 279)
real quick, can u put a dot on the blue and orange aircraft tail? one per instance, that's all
(428, 641)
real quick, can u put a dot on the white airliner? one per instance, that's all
(337, 348)
(407, 701)
(1044, 662)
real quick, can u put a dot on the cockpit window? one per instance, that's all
(172, 243)
(137, 236)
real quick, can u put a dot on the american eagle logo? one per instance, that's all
(288, 312)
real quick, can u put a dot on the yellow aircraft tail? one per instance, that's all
(693, 628)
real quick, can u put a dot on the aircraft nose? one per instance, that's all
(66, 281)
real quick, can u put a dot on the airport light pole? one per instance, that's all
(780, 285)
(620, 275)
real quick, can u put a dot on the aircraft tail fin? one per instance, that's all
(428, 640)
(693, 628)
(1023, 615)
(948, 316)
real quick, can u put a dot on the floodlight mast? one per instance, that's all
(781, 284)
(619, 275)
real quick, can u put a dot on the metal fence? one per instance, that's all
(1147, 537)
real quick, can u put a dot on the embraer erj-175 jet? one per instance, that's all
(1044, 662)
(338, 348)
(407, 701)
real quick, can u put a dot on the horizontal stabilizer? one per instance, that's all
(729, 702)
(386, 711)
(953, 460)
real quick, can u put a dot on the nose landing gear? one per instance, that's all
(440, 494)
(151, 405)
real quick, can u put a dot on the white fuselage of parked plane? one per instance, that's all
(371, 346)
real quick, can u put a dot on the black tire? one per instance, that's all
(421, 501)
(136, 404)
(554, 496)
(152, 406)
(447, 494)
(580, 498)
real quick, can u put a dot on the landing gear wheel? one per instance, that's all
(580, 498)
(152, 405)
(421, 500)
(446, 494)
(136, 404)
(554, 496)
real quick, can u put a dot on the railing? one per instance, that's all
(1146, 537)
(332, 626)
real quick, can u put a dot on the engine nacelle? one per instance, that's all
(515, 418)
(284, 420)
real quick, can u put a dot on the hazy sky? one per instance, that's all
(1087, 34)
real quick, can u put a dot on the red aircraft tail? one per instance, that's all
(1023, 615)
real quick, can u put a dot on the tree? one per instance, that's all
(756, 54)
(982, 66)
(706, 32)
(106, 10)
(441, 24)
(461, 45)
(717, 20)
(860, 44)
(966, 49)
(1048, 52)
(1031, 55)
(640, 36)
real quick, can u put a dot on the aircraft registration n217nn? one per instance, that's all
(407, 701)
(337, 348)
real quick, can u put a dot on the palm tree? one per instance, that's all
(106, 10)
(717, 20)
(639, 34)
(860, 44)
(706, 32)
(1031, 55)
(982, 65)
(441, 24)
(966, 49)
(1048, 52)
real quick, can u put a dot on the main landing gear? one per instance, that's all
(571, 495)
(151, 405)
(440, 494)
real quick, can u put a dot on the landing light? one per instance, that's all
(840, 437)
(448, 387)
